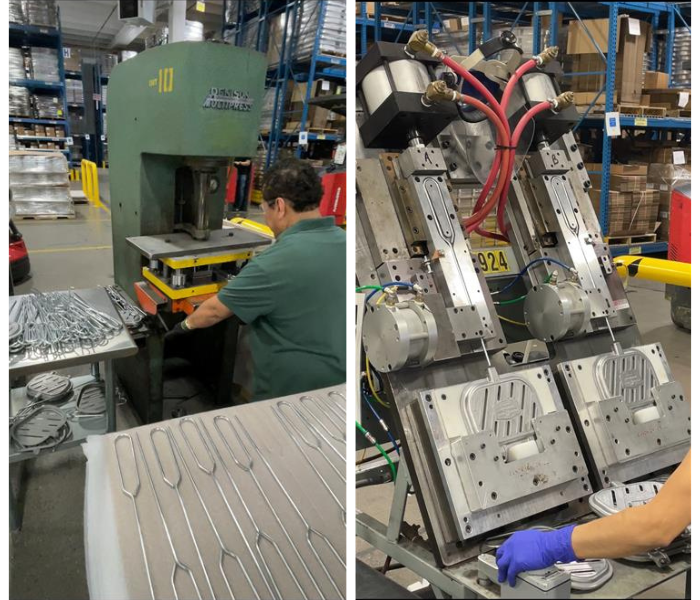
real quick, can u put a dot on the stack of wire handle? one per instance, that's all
(131, 314)
(56, 323)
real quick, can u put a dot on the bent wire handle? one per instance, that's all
(223, 550)
(293, 504)
(313, 467)
(267, 576)
(316, 446)
(245, 467)
(132, 496)
(264, 536)
(174, 485)
(177, 563)
(268, 503)
(315, 402)
(312, 429)
(176, 489)
(181, 425)
(333, 405)
(316, 433)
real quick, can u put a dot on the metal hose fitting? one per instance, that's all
(562, 101)
(419, 42)
(547, 55)
(437, 91)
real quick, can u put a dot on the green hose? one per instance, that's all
(371, 440)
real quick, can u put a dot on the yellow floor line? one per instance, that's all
(75, 249)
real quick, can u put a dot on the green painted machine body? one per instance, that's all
(171, 106)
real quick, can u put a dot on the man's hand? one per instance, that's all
(180, 329)
(532, 550)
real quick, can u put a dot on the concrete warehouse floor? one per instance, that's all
(47, 559)
(653, 315)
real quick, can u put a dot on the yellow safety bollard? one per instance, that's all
(91, 188)
(654, 269)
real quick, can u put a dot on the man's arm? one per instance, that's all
(640, 528)
(628, 532)
(211, 312)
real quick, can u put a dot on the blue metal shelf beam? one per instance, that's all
(645, 248)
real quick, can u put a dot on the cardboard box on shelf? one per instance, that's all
(586, 98)
(633, 42)
(670, 99)
(320, 87)
(629, 212)
(672, 155)
(664, 176)
(71, 58)
(628, 183)
(656, 80)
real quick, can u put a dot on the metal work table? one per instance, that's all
(253, 505)
(21, 365)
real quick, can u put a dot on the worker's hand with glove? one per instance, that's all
(532, 550)
(180, 329)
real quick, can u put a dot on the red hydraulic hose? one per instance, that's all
(510, 159)
(502, 137)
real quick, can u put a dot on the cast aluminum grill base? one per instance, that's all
(633, 416)
(49, 387)
(505, 449)
(39, 427)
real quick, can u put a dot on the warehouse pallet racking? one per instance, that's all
(289, 69)
(46, 37)
(396, 25)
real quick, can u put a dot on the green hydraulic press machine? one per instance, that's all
(178, 115)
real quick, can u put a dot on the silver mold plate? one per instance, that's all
(633, 415)
(505, 448)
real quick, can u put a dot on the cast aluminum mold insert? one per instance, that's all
(505, 448)
(633, 415)
(49, 387)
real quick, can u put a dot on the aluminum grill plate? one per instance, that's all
(39, 426)
(588, 575)
(91, 400)
(505, 449)
(49, 387)
(633, 415)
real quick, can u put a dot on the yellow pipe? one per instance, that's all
(654, 269)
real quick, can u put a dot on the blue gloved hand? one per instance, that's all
(532, 550)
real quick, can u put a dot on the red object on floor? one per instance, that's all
(333, 203)
(232, 183)
(679, 228)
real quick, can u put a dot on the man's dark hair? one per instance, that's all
(294, 180)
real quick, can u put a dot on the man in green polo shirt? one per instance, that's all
(292, 294)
